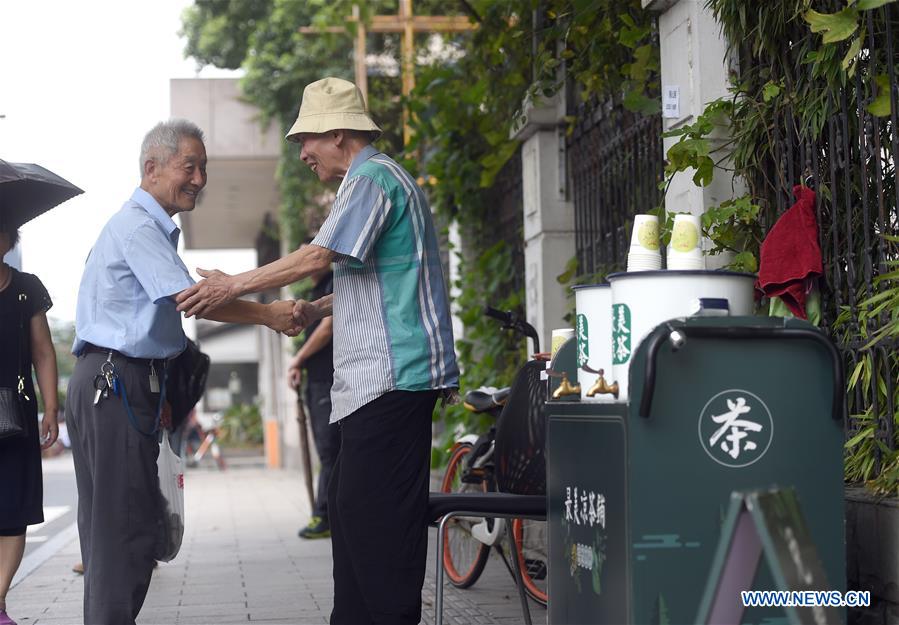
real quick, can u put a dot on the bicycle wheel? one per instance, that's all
(464, 556)
(530, 548)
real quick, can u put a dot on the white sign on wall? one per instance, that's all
(671, 101)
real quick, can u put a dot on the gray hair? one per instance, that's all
(162, 142)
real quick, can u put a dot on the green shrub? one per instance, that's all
(242, 426)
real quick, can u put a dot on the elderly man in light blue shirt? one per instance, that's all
(127, 322)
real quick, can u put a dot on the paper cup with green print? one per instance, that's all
(559, 336)
(644, 251)
(685, 251)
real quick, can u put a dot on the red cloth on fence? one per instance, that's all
(790, 258)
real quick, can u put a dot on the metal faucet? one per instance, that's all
(601, 387)
(565, 387)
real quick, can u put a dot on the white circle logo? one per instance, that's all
(735, 428)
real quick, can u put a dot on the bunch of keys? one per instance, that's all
(105, 381)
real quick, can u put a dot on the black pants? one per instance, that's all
(378, 498)
(119, 502)
(327, 439)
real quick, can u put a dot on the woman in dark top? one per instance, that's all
(24, 342)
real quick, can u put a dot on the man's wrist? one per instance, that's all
(319, 308)
(268, 314)
(237, 286)
(272, 316)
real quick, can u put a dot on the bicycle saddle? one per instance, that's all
(484, 399)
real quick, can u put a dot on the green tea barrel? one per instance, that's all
(717, 406)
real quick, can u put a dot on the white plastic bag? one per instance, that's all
(171, 484)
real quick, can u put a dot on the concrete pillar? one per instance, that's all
(454, 240)
(277, 400)
(549, 240)
(695, 61)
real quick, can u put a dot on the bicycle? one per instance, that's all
(200, 437)
(471, 467)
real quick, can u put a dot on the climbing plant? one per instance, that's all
(809, 92)
(466, 113)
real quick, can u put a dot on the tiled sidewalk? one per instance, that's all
(242, 562)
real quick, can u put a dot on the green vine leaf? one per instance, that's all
(570, 271)
(835, 26)
(638, 102)
(493, 162)
(852, 53)
(881, 106)
(705, 170)
(770, 91)
(631, 34)
(746, 262)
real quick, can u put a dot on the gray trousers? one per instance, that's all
(119, 502)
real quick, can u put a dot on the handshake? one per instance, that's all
(214, 298)
(289, 317)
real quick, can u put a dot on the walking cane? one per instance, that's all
(304, 448)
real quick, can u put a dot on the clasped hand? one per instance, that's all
(304, 313)
(292, 317)
(282, 318)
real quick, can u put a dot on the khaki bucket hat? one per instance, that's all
(332, 104)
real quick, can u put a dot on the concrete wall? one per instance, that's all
(548, 216)
(694, 59)
(231, 125)
(279, 401)
(243, 160)
(230, 348)
(278, 404)
(238, 344)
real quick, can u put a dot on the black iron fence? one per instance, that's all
(852, 167)
(615, 164)
(506, 199)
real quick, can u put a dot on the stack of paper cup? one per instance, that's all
(559, 336)
(644, 251)
(685, 251)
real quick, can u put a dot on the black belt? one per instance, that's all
(90, 348)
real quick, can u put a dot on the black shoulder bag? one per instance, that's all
(12, 410)
(186, 381)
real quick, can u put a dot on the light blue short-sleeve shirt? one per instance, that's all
(125, 301)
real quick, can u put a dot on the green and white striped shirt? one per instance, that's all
(392, 328)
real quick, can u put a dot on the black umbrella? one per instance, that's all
(27, 191)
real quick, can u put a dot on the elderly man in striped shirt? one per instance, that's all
(393, 351)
